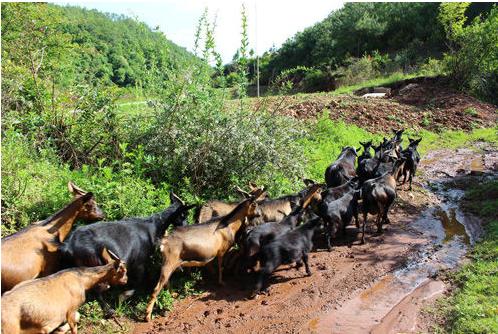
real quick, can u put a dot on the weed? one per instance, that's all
(471, 111)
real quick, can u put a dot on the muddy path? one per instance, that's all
(378, 287)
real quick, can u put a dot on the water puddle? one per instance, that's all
(388, 305)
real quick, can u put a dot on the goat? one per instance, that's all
(412, 159)
(274, 210)
(32, 251)
(366, 151)
(42, 305)
(257, 236)
(197, 245)
(337, 214)
(341, 170)
(378, 195)
(289, 247)
(217, 208)
(331, 194)
(132, 239)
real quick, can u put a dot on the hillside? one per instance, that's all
(420, 103)
(88, 46)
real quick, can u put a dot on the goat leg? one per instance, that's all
(166, 272)
(220, 270)
(306, 265)
(72, 320)
(109, 312)
(378, 222)
(365, 214)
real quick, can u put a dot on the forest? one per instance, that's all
(113, 105)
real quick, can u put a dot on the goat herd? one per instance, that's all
(40, 297)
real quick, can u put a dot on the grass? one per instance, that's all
(390, 79)
(473, 307)
(452, 138)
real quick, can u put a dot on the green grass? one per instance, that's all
(326, 140)
(398, 76)
(473, 308)
(452, 138)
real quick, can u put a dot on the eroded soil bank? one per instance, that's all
(378, 287)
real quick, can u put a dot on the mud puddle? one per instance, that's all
(391, 304)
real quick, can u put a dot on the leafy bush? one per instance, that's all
(34, 186)
(200, 146)
(357, 70)
(473, 60)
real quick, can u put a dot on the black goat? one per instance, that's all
(131, 239)
(366, 151)
(260, 234)
(289, 247)
(331, 194)
(338, 214)
(378, 195)
(341, 170)
(412, 158)
(381, 163)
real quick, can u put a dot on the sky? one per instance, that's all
(270, 22)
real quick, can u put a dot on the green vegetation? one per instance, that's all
(473, 307)
(73, 88)
(367, 41)
(452, 138)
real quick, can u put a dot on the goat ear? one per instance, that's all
(86, 197)
(418, 141)
(359, 148)
(74, 189)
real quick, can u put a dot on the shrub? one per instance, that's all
(205, 149)
(473, 60)
(34, 186)
(357, 70)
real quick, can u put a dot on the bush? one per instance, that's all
(473, 62)
(357, 70)
(34, 186)
(303, 79)
(203, 148)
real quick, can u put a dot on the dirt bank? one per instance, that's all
(425, 104)
(378, 287)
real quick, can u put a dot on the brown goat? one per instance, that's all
(32, 252)
(42, 305)
(217, 208)
(197, 245)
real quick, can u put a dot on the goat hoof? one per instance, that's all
(308, 273)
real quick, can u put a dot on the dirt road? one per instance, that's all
(378, 287)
